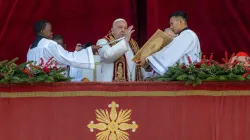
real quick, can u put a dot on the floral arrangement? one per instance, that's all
(30, 72)
(208, 70)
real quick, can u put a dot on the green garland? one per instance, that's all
(207, 70)
(29, 72)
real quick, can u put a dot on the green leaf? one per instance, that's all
(198, 80)
(223, 78)
(202, 74)
(188, 82)
(191, 77)
(12, 61)
(49, 79)
(4, 81)
(247, 77)
(240, 78)
(195, 84)
(204, 66)
(41, 78)
(211, 78)
(182, 77)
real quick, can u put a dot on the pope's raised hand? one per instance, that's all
(128, 33)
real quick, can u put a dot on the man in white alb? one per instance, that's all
(118, 49)
(184, 45)
(45, 48)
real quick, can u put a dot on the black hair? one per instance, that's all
(40, 25)
(58, 37)
(87, 44)
(181, 14)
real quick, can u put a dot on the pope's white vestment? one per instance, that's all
(109, 55)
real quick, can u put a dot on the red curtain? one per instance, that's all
(78, 21)
(221, 25)
(158, 118)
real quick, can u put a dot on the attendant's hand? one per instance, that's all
(128, 33)
(95, 48)
(142, 62)
(78, 47)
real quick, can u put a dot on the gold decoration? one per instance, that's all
(154, 44)
(113, 125)
(85, 79)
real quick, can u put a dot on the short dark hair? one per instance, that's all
(87, 44)
(181, 14)
(40, 25)
(58, 37)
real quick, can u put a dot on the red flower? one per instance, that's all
(198, 65)
(189, 60)
(244, 75)
(55, 68)
(208, 64)
(211, 56)
(49, 62)
(42, 62)
(26, 70)
(226, 56)
(204, 57)
(46, 70)
(183, 67)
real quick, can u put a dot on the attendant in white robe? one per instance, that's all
(185, 45)
(74, 73)
(118, 49)
(77, 73)
(59, 39)
(45, 48)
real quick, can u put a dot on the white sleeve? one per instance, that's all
(110, 54)
(146, 74)
(169, 55)
(81, 59)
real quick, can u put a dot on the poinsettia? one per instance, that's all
(30, 72)
(206, 70)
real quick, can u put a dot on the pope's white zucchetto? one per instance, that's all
(119, 19)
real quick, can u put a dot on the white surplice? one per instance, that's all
(109, 55)
(48, 48)
(184, 45)
(76, 74)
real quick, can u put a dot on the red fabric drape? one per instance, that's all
(78, 21)
(158, 118)
(221, 25)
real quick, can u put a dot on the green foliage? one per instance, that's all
(197, 72)
(29, 72)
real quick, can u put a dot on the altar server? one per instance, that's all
(185, 45)
(45, 48)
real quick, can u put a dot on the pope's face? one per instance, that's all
(119, 29)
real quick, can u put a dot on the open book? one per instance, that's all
(154, 44)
